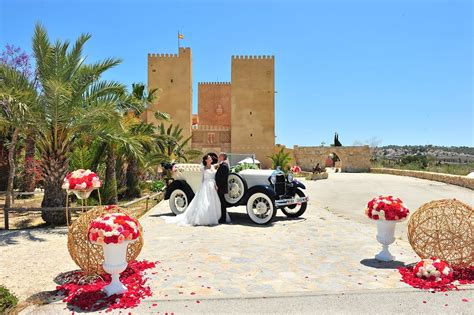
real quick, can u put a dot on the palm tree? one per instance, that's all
(72, 101)
(281, 159)
(17, 100)
(172, 147)
(144, 133)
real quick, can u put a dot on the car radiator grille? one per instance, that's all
(280, 185)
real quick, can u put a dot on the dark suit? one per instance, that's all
(222, 175)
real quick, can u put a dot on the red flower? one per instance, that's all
(386, 208)
(89, 297)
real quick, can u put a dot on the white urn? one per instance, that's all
(115, 262)
(82, 194)
(385, 236)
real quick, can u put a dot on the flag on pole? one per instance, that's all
(180, 36)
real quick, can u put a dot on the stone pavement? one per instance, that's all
(320, 252)
(328, 251)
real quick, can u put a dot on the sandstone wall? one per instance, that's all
(214, 103)
(253, 106)
(457, 180)
(172, 75)
(353, 159)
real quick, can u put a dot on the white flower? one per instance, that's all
(446, 271)
(81, 186)
(65, 185)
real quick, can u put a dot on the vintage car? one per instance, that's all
(261, 191)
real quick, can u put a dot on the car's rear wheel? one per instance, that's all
(296, 210)
(261, 208)
(179, 201)
(236, 189)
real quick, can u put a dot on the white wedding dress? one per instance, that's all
(205, 208)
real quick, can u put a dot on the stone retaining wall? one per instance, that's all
(458, 180)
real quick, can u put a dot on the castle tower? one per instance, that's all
(212, 134)
(214, 103)
(171, 74)
(253, 106)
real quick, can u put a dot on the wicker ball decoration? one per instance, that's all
(89, 257)
(443, 229)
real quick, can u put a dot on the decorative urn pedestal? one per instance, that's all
(115, 262)
(386, 211)
(82, 194)
(385, 236)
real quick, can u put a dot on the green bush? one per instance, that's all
(244, 166)
(157, 185)
(7, 300)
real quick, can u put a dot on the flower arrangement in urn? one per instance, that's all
(114, 231)
(114, 228)
(387, 211)
(81, 182)
(295, 169)
(433, 269)
(386, 208)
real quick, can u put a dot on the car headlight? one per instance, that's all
(290, 177)
(273, 179)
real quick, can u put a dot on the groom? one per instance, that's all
(221, 182)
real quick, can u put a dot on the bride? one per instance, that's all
(205, 208)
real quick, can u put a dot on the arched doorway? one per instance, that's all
(333, 162)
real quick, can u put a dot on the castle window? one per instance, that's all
(154, 70)
(251, 135)
(250, 113)
(171, 80)
(211, 137)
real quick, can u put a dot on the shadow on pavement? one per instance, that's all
(374, 263)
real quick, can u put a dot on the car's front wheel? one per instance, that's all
(296, 210)
(236, 189)
(261, 208)
(179, 201)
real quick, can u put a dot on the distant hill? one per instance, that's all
(444, 154)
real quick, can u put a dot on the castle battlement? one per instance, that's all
(182, 51)
(213, 83)
(253, 57)
(163, 56)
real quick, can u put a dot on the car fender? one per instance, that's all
(298, 184)
(266, 189)
(179, 184)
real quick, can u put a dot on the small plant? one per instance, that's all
(157, 185)
(243, 166)
(281, 159)
(7, 300)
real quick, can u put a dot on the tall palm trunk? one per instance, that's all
(11, 173)
(55, 166)
(30, 164)
(133, 188)
(110, 189)
(4, 167)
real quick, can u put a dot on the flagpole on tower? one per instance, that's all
(178, 40)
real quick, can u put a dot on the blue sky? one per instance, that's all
(399, 72)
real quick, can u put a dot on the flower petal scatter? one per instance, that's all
(386, 208)
(418, 276)
(114, 228)
(296, 169)
(81, 180)
(88, 295)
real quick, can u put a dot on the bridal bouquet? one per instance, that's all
(295, 169)
(114, 228)
(386, 208)
(433, 269)
(81, 180)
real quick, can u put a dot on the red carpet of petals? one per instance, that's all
(460, 276)
(87, 295)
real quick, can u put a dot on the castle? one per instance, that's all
(233, 117)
